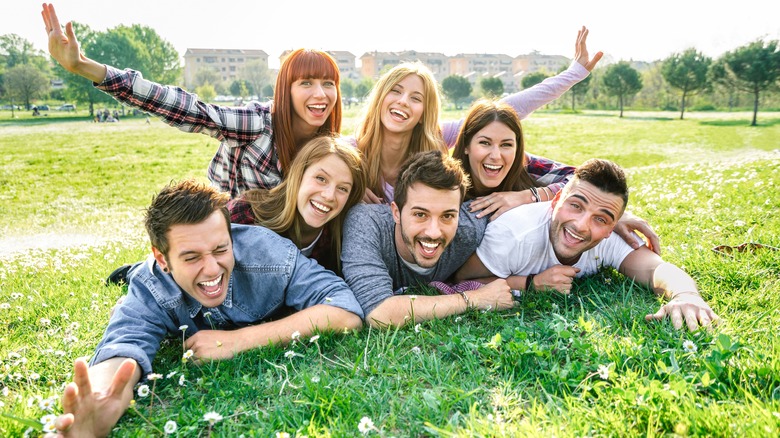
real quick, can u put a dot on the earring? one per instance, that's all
(165, 270)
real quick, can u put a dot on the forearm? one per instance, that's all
(529, 100)
(89, 69)
(670, 281)
(321, 318)
(400, 309)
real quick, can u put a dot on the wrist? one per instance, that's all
(529, 283)
(466, 299)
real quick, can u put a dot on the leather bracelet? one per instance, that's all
(466, 299)
(535, 194)
(529, 282)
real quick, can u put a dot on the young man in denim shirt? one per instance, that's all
(221, 281)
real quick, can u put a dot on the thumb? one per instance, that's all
(657, 316)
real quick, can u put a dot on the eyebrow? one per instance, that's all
(603, 210)
(190, 252)
(321, 169)
(452, 210)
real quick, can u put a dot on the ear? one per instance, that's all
(396, 212)
(160, 257)
(556, 198)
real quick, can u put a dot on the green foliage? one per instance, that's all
(25, 83)
(621, 80)
(255, 72)
(753, 68)
(206, 92)
(532, 79)
(687, 71)
(491, 87)
(456, 89)
(241, 88)
(71, 207)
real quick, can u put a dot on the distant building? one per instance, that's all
(344, 60)
(534, 62)
(374, 63)
(226, 62)
(474, 67)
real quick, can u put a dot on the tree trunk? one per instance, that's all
(755, 109)
(682, 106)
(620, 100)
(572, 101)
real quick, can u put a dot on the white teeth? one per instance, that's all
(400, 113)
(430, 245)
(492, 167)
(212, 282)
(574, 235)
(319, 206)
(321, 106)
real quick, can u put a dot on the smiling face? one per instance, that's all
(491, 152)
(582, 217)
(427, 223)
(325, 188)
(312, 102)
(403, 107)
(200, 258)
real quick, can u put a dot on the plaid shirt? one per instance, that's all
(246, 158)
(546, 171)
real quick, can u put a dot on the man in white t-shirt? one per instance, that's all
(546, 245)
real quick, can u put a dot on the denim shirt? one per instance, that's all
(270, 276)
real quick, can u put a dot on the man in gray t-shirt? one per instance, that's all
(424, 235)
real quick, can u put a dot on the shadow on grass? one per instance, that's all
(742, 122)
(29, 121)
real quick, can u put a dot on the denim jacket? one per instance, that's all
(270, 275)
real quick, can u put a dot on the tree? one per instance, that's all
(78, 88)
(363, 88)
(159, 60)
(753, 68)
(255, 73)
(687, 71)
(206, 92)
(532, 79)
(623, 81)
(25, 82)
(241, 88)
(456, 89)
(16, 51)
(347, 90)
(578, 89)
(491, 87)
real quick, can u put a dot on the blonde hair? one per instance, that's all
(277, 208)
(426, 135)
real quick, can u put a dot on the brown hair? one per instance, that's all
(433, 169)
(186, 202)
(301, 63)
(482, 113)
(605, 175)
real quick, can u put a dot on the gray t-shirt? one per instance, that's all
(369, 258)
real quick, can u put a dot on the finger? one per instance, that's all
(498, 213)
(53, 20)
(70, 398)
(81, 376)
(704, 318)
(691, 319)
(593, 61)
(63, 422)
(676, 317)
(655, 243)
(487, 210)
(657, 316)
(122, 378)
(45, 16)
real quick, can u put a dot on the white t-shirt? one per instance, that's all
(518, 243)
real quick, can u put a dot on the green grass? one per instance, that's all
(72, 195)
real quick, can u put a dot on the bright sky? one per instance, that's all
(622, 29)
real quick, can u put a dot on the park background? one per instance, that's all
(72, 194)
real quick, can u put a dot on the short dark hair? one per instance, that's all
(605, 176)
(433, 169)
(185, 202)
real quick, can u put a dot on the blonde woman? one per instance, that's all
(324, 181)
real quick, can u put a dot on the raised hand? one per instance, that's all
(581, 51)
(65, 49)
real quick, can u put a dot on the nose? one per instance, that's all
(495, 152)
(329, 192)
(318, 90)
(433, 230)
(210, 265)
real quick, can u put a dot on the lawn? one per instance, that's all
(72, 195)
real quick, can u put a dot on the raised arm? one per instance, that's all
(672, 283)
(529, 100)
(98, 396)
